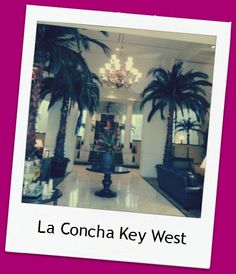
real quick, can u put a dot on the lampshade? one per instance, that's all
(203, 164)
(180, 138)
(38, 143)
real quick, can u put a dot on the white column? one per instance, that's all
(127, 155)
(87, 131)
(153, 142)
(85, 149)
(52, 128)
(128, 122)
(96, 117)
(70, 141)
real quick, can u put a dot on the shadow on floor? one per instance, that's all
(57, 181)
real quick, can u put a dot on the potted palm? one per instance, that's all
(54, 45)
(188, 125)
(172, 90)
(72, 85)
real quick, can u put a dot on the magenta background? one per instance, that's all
(12, 25)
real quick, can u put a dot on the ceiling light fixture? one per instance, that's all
(118, 73)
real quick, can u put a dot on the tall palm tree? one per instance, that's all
(53, 47)
(74, 84)
(88, 97)
(187, 125)
(175, 89)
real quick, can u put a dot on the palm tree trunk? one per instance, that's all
(61, 135)
(168, 153)
(33, 110)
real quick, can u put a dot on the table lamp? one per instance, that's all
(203, 164)
(38, 143)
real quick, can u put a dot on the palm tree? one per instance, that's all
(122, 127)
(175, 89)
(88, 98)
(72, 85)
(53, 47)
(187, 125)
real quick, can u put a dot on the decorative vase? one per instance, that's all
(107, 162)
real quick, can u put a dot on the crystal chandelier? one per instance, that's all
(117, 73)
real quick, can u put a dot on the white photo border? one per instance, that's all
(24, 217)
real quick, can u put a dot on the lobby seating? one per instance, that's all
(176, 184)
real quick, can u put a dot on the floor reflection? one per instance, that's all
(133, 193)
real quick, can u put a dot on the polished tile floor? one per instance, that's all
(133, 193)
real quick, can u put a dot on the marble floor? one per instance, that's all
(134, 194)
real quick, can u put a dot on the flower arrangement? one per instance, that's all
(108, 138)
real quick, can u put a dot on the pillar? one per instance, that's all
(128, 122)
(85, 148)
(153, 142)
(127, 155)
(70, 141)
(52, 128)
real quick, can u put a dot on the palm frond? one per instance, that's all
(159, 106)
(103, 46)
(176, 69)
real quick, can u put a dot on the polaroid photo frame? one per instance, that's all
(140, 237)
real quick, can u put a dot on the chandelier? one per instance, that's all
(117, 73)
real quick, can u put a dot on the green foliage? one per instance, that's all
(54, 45)
(174, 90)
(184, 90)
(59, 50)
(188, 125)
(108, 138)
(75, 82)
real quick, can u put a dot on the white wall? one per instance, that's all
(153, 142)
(71, 137)
(154, 132)
(42, 117)
(53, 122)
(137, 122)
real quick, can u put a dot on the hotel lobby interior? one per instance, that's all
(157, 160)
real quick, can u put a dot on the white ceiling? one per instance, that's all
(161, 50)
(149, 49)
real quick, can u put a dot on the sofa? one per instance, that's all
(186, 189)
